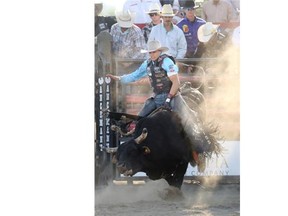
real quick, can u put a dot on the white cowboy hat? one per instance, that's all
(125, 19)
(206, 31)
(167, 10)
(154, 45)
(154, 8)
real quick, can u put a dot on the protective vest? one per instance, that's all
(159, 80)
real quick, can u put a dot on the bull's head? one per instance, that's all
(128, 157)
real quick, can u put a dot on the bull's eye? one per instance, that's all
(146, 150)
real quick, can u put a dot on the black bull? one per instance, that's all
(159, 148)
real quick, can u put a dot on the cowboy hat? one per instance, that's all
(206, 31)
(184, 4)
(154, 8)
(154, 45)
(125, 19)
(167, 11)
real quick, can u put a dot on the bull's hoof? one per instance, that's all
(171, 193)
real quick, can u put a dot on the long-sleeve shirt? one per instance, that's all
(168, 65)
(174, 39)
(128, 44)
(221, 12)
(190, 31)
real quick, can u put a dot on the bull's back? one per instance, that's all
(166, 137)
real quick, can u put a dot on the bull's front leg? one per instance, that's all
(176, 179)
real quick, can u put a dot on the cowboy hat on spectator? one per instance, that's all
(154, 8)
(206, 31)
(186, 4)
(167, 11)
(125, 19)
(155, 45)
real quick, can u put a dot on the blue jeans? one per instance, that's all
(153, 103)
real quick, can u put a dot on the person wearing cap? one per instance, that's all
(169, 35)
(218, 11)
(102, 23)
(163, 75)
(127, 38)
(154, 13)
(190, 25)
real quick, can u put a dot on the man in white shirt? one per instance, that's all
(169, 35)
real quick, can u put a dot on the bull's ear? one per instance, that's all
(146, 150)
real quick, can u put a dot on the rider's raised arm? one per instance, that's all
(135, 75)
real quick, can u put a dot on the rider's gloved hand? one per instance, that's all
(167, 103)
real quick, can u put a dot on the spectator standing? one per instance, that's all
(128, 39)
(208, 34)
(176, 7)
(218, 11)
(140, 7)
(190, 25)
(154, 13)
(169, 35)
(102, 23)
(174, 3)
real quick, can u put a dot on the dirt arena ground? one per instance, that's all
(147, 200)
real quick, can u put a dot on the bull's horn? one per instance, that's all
(111, 150)
(142, 137)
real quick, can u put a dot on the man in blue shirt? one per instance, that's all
(163, 75)
(190, 25)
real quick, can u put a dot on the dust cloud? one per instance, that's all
(118, 194)
(147, 200)
(223, 93)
